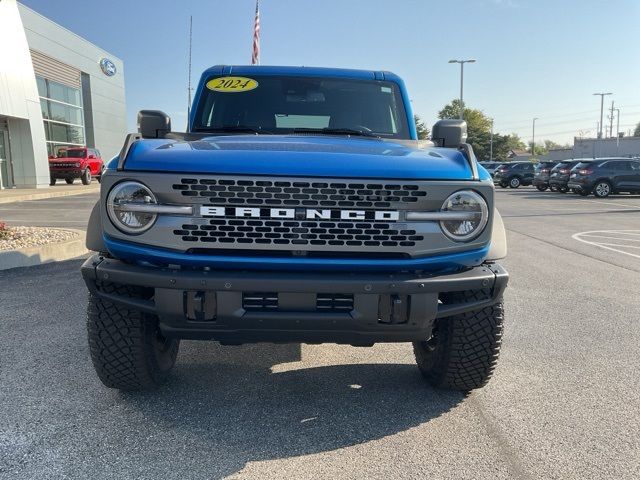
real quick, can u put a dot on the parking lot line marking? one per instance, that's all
(617, 245)
(613, 238)
(579, 237)
(612, 203)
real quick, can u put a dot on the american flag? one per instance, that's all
(255, 56)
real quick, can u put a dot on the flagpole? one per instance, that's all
(189, 76)
(255, 54)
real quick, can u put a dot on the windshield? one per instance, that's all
(77, 153)
(277, 104)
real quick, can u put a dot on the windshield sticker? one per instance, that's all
(232, 84)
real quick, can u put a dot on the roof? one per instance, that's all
(520, 153)
(299, 71)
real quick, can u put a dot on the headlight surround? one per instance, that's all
(125, 220)
(465, 201)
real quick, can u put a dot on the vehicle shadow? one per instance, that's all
(232, 409)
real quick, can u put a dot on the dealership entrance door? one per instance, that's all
(5, 163)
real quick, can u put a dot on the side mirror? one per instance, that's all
(153, 123)
(449, 133)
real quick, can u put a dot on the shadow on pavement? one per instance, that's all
(227, 401)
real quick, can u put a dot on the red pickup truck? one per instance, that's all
(76, 162)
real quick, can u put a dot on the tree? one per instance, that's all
(636, 132)
(421, 128)
(502, 144)
(478, 127)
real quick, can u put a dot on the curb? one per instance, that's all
(53, 252)
(47, 193)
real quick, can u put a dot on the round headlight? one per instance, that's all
(121, 203)
(474, 215)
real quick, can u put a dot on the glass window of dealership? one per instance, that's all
(62, 114)
(78, 86)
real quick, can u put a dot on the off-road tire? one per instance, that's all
(69, 180)
(127, 349)
(86, 177)
(541, 188)
(463, 350)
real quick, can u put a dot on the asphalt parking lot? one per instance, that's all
(564, 402)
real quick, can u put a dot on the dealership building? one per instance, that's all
(56, 90)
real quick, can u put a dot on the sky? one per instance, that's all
(534, 58)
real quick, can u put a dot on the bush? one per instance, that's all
(4, 231)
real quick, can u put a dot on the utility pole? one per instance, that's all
(602, 95)
(491, 142)
(462, 62)
(533, 138)
(617, 128)
(611, 121)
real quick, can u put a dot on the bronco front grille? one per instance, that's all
(297, 233)
(301, 194)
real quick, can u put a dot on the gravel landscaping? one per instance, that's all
(23, 237)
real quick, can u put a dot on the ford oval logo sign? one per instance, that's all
(108, 67)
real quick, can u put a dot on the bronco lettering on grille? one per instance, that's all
(299, 213)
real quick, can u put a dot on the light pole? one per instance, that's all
(462, 62)
(602, 95)
(533, 138)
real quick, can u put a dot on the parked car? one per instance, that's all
(604, 176)
(514, 174)
(560, 175)
(541, 175)
(76, 162)
(491, 166)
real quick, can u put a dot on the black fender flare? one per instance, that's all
(94, 239)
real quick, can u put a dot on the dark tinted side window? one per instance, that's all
(618, 165)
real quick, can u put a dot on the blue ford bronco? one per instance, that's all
(299, 206)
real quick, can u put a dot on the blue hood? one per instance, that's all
(298, 155)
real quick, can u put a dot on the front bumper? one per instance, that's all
(199, 304)
(65, 172)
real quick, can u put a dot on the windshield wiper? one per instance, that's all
(239, 129)
(336, 131)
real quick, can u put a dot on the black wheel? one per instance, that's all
(52, 182)
(514, 182)
(463, 349)
(542, 188)
(69, 180)
(86, 177)
(553, 189)
(127, 348)
(602, 189)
